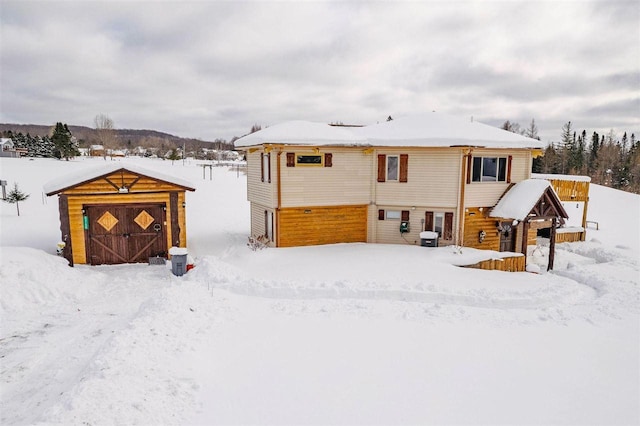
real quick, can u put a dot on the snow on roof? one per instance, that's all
(573, 178)
(56, 185)
(302, 133)
(421, 130)
(520, 199)
(436, 129)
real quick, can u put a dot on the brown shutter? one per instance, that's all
(291, 159)
(428, 221)
(266, 224)
(468, 168)
(328, 160)
(509, 169)
(382, 167)
(380, 214)
(448, 226)
(404, 167)
(405, 215)
(262, 166)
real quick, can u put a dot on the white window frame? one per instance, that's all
(438, 218)
(393, 214)
(266, 167)
(269, 225)
(397, 161)
(482, 177)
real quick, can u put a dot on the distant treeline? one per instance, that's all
(122, 138)
(609, 160)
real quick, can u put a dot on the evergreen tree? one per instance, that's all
(63, 142)
(15, 196)
(592, 163)
(567, 147)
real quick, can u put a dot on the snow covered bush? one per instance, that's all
(258, 242)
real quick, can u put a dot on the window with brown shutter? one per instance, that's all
(382, 167)
(291, 159)
(428, 221)
(448, 226)
(404, 166)
(380, 214)
(328, 160)
(405, 215)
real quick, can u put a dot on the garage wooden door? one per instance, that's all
(322, 225)
(125, 233)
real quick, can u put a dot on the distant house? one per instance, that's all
(311, 183)
(7, 148)
(96, 151)
(114, 214)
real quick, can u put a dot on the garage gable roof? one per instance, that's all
(80, 177)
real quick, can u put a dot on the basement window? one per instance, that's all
(309, 160)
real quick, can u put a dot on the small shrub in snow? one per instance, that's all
(258, 242)
(15, 196)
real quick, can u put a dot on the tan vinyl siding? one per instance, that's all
(263, 193)
(258, 225)
(433, 179)
(388, 231)
(479, 194)
(347, 181)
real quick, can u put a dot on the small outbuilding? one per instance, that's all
(120, 214)
(573, 192)
(528, 206)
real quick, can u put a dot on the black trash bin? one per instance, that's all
(429, 239)
(178, 260)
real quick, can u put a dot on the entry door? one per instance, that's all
(125, 233)
(507, 234)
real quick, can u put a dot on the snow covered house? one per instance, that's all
(311, 183)
(120, 214)
(7, 148)
(96, 150)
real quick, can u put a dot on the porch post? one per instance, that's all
(552, 244)
(525, 239)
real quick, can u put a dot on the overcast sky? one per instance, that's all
(211, 69)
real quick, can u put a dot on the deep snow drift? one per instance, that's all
(340, 334)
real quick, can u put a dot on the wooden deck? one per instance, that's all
(514, 263)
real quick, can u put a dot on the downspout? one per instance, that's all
(463, 185)
(279, 196)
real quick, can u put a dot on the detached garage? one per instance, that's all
(120, 214)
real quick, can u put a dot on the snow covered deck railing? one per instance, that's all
(593, 222)
(509, 262)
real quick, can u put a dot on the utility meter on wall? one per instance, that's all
(404, 227)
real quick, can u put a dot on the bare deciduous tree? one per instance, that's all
(104, 130)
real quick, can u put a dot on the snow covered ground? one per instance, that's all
(341, 334)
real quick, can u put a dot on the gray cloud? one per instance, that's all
(212, 69)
